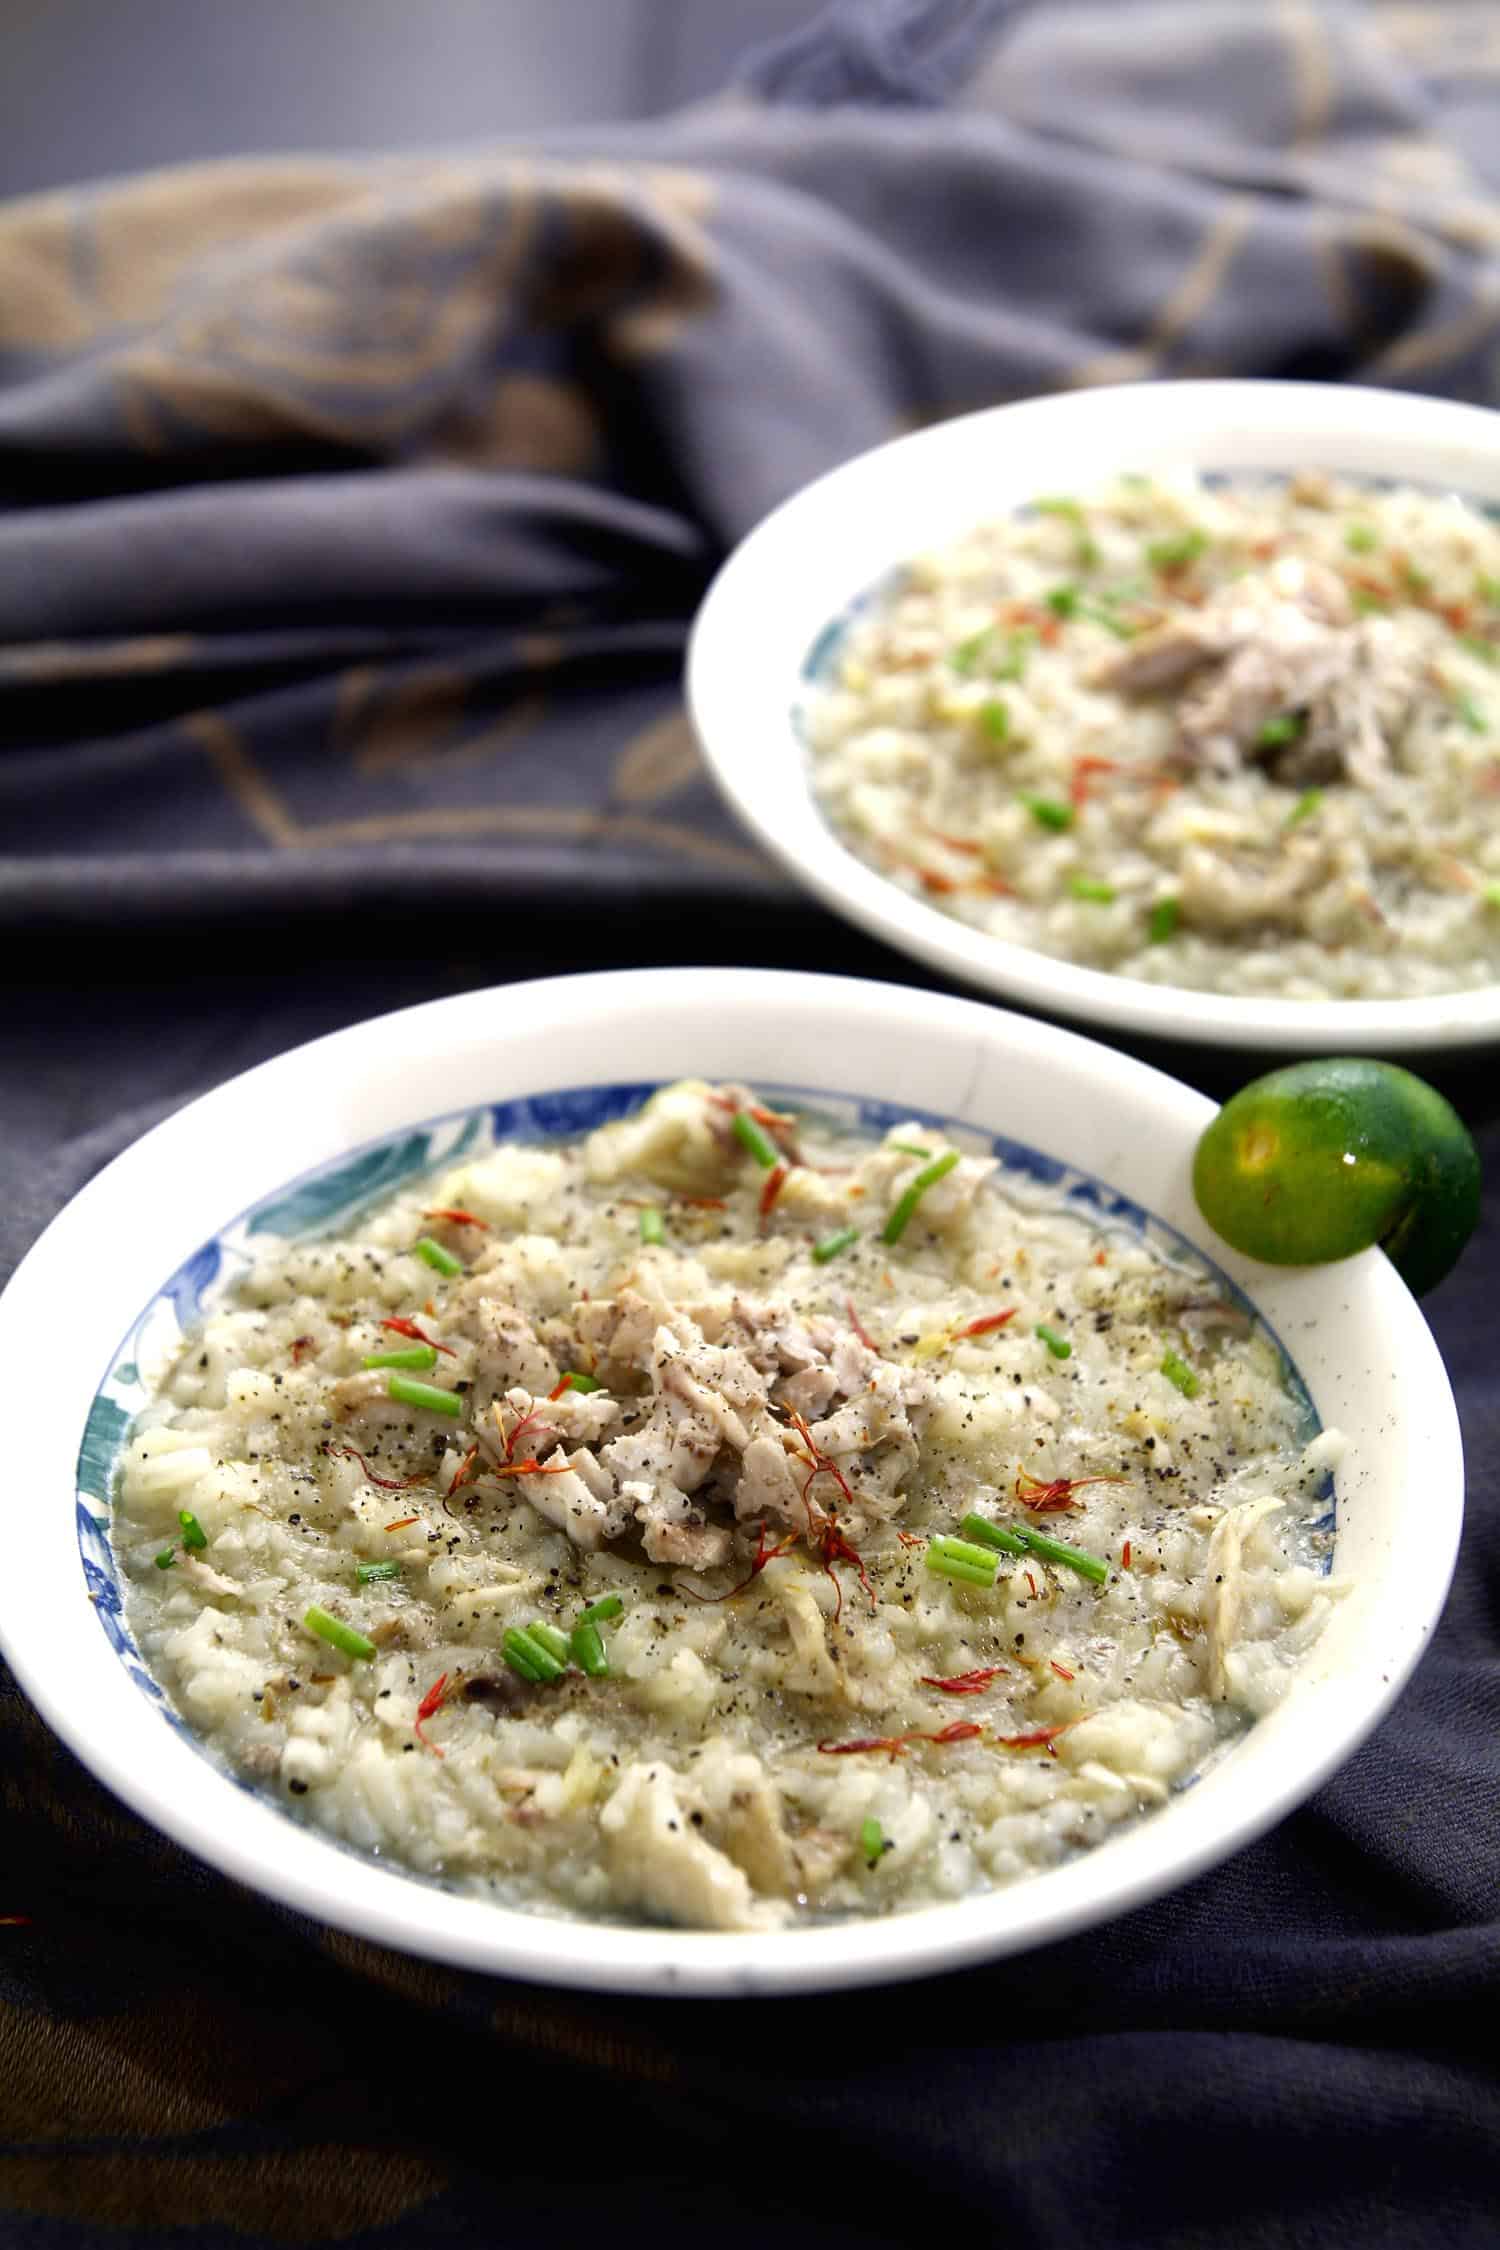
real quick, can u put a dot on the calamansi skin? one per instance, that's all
(1322, 1159)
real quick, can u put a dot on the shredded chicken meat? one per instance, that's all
(707, 1435)
(1278, 670)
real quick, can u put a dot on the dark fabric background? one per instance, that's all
(355, 513)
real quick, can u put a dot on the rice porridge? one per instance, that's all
(725, 1519)
(1238, 736)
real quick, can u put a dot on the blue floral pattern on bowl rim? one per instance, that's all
(331, 1196)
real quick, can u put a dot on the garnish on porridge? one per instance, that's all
(1237, 736)
(649, 1595)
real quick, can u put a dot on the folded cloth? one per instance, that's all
(355, 514)
(356, 507)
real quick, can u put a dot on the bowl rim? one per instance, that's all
(738, 708)
(125, 1742)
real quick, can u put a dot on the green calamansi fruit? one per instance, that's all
(1322, 1159)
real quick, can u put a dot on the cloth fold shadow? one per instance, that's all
(447, 447)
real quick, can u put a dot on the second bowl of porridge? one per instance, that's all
(1177, 708)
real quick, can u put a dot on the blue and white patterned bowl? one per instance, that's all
(303, 1143)
(780, 604)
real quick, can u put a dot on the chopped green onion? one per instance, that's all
(1366, 602)
(1477, 645)
(1057, 1551)
(1071, 512)
(608, 1605)
(339, 1635)
(586, 1647)
(896, 1225)
(1417, 580)
(193, 1533)
(1310, 802)
(1099, 614)
(956, 1558)
(525, 1654)
(576, 1380)
(653, 1226)
(909, 1148)
(1092, 891)
(554, 1642)
(967, 654)
(994, 1535)
(1177, 1370)
(550, 1666)
(1128, 590)
(1285, 727)
(375, 1573)
(1175, 553)
(1165, 916)
(1049, 812)
(1491, 894)
(832, 1244)
(1057, 1345)
(1018, 648)
(1361, 538)
(873, 1842)
(995, 719)
(166, 1558)
(408, 1392)
(1015, 1541)
(1488, 589)
(433, 1254)
(1470, 712)
(1063, 601)
(750, 1136)
(415, 1355)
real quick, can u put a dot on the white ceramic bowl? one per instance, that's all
(142, 1239)
(798, 573)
